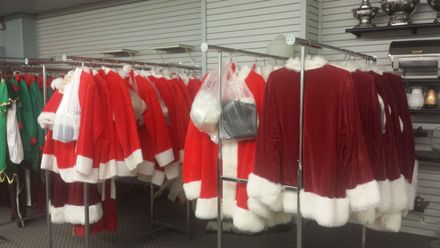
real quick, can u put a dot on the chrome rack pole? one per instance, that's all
(47, 173)
(364, 237)
(188, 219)
(86, 215)
(220, 161)
(299, 225)
(152, 205)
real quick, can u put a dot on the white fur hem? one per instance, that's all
(165, 157)
(57, 215)
(113, 168)
(365, 217)
(134, 159)
(158, 177)
(206, 209)
(388, 222)
(364, 196)
(263, 190)
(245, 220)
(399, 195)
(172, 170)
(311, 62)
(46, 120)
(192, 189)
(146, 168)
(279, 218)
(83, 164)
(76, 214)
(258, 208)
(329, 212)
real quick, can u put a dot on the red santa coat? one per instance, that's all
(200, 170)
(67, 202)
(154, 136)
(333, 145)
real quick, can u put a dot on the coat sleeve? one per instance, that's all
(3, 110)
(91, 127)
(358, 170)
(192, 162)
(264, 183)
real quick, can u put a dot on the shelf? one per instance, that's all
(179, 48)
(426, 112)
(422, 82)
(121, 52)
(412, 27)
(428, 156)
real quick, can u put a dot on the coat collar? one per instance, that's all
(311, 62)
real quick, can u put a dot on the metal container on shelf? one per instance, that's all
(435, 4)
(400, 11)
(365, 13)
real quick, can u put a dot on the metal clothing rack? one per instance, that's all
(303, 44)
(98, 62)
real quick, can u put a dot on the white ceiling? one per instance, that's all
(8, 7)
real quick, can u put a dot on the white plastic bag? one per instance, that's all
(67, 117)
(239, 117)
(205, 110)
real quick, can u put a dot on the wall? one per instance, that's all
(252, 24)
(19, 37)
(137, 26)
(336, 17)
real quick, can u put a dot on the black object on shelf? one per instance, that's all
(420, 204)
(428, 156)
(428, 111)
(422, 82)
(412, 27)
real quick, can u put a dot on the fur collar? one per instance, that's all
(311, 62)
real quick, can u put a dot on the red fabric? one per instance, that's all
(369, 110)
(246, 149)
(331, 129)
(154, 134)
(407, 144)
(193, 86)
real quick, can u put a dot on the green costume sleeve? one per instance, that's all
(4, 103)
(29, 133)
(37, 106)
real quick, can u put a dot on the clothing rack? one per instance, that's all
(303, 44)
(6, 63)
(98, 62)
(132, 62)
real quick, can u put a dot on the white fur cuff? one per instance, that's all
(192, 189)
(263, 190)
(364, 196)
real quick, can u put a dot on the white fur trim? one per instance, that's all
(245, 220)
(263, 190)
(165, 157)
(206, 208)
(48, 162)
(172, 170)
(57, 83)
(259, 208)
(350, 67)
(399, 195)
(192, 189)
(158, 177)
(388, 222)
(311, 62)
(385, 196)
(146, 168)
(289, 200)
(113, 168)
(57, 215)
(328, 212)
(46, 119)
(279, 218)
(228, 204)
(365, 217)
(364, 196)
(134, 159)
(83, 164)
(76, 214)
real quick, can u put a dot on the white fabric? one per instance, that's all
(67, 118)
(15, 147)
